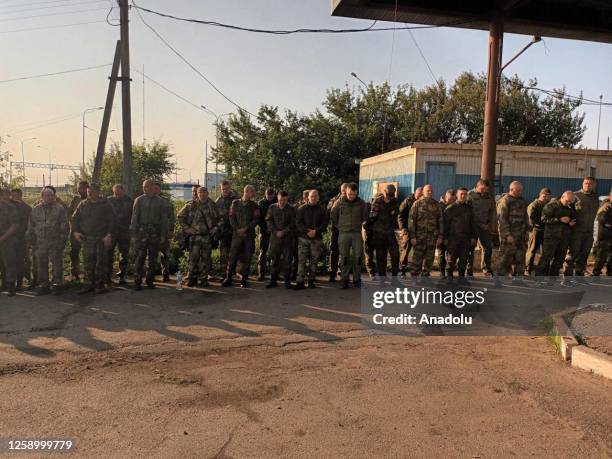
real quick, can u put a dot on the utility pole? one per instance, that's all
(599, 120)
(489, 141)
(206, 165)
(144, 138)
(125, 94)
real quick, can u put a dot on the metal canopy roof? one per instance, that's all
(589, 20)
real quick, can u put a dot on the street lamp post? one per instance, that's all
(22, 141)
(93, 109)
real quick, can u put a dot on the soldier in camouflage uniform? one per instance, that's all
(483, 203)
(49, 228)
(604, 236)
(334, 252)
(402, 222)
(9, 225)
(586, 206)
(93, 225)
(23, 268)
(368, 241)
(264, 235)
(311, 222)
(295, 255)
(558, 218)
(244, 218)
(203, 225)
(281, 225)
(383, 221)
(122, 205)
(536, 233)
(459, 234)
(348, 215)
(446, 200)
(149, 229)
(165, 246)
(75, 246)
(513, 230)
(426, 227)
(224, 202)
(187, 214)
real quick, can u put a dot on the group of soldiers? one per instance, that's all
(291, 235)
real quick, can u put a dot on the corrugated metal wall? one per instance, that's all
(559, 170)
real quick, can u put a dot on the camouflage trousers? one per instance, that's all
(146, 246)
(579, 249)
(96, 260)
(241, 250)
(281, 255)
(369, 251)
(49, 252)
(122, 243)
(511, 257)
(164, 260)
(75, 249)
(309, 253)
(603, 257)
(554, 250)
(383, 244)
(200, 257)
(423, 254)
(457, 253)
(486, 246)
(405, 251)
(7, 253)
(22, 262)
(225, 246)
(334, 251)
(536, 239)
(350, 244)
(262, 258)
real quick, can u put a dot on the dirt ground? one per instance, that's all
(260, 373)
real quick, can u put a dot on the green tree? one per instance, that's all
(151, 160)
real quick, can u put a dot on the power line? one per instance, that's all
(39, 8)
(59, 26)
(370, 28)
(19, 4)
(433, 76)
(55, 118)
(51, 14)
(54, 73)
(184, 99)
(47, 124)
(192, 66)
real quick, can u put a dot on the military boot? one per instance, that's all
(300, 285)
(11, 290)
(40, 291)
(287, 284)
(244, 283)
(227, 282)
(311, 283)
(273, 282)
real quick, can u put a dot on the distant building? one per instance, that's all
(213, 180)
(180, 191)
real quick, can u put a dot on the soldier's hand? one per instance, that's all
(564, 219)
(510, 238)
(280, 234)
(78, 236)
(404, 232)
(572, 223)
(242, 231)
(312, 233)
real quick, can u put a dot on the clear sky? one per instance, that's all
(289, 71)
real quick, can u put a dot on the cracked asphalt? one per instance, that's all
(255, 373)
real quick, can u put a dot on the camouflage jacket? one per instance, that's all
(586, 205)
(459, 222)
(534, 212)
(123, 212)
(483, 205)
(48, 224)
(404, 211)
(279, 219)
(348, 216)
(8, 217)
(383, 215)
(149, 215)
(244, 215)
(94, 218)
(206, 218)
(425, 219)
(551, 215)
(76, 200)
(224, 203)
(23, 215)
(604, 222)
(330, 205)
(185, 215)
(512, 217)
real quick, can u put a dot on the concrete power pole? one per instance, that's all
(125, 95)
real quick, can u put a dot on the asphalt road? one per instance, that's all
(260, 373)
